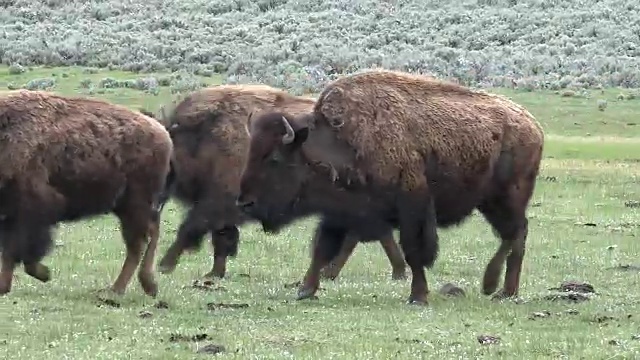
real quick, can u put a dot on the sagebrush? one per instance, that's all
(304, 43)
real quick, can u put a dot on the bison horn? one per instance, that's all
(290, 135)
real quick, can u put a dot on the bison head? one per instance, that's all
(275, 169)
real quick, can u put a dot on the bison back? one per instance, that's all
(210, 137)
(400, 125)
(43, 134)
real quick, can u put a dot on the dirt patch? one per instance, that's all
(145, 314)
(547, 314)
(206, 285)
(540, 315)
(452, 290)
(627, 267)
(573, 286)
(102, 302)
(572, 291)
(409, 341)
(161, 305)
(588, 224)
(215, 306)
(488, 339)
(211, 349)
(187, 338)
(632, 204)
(571, 297)
(601, 319)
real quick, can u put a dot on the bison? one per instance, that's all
(210, 146)
(384, 148)
(64, 159)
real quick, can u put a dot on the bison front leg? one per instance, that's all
(38, 271)
(190, 235)
(419, 241)
(332, 270)
(6, 272)
(225, 244)
(327, 242)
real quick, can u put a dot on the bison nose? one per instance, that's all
(244, 203)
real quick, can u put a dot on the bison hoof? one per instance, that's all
(38, 271)
(213, 275)
(417, 302)
(306, 293)
(4, 290)
(417, 299)
(149, 286)
(399, 275)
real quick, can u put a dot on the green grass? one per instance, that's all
(589, 172)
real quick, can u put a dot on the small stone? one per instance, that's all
(540, 314)
(211, 349)
(488, 339)
(145, 314)
(450, 289)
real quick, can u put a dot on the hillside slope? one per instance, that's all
(299, 44)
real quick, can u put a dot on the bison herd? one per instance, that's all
(376, 151)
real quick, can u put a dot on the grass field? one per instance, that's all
(584, 226)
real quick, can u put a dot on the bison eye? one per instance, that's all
(276, 157)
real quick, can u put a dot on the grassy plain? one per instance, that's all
(584, 226)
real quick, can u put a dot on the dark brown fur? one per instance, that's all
(409, 151)
(211, 141)
(66, 159)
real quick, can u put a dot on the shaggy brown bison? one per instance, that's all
(64, 159)
(210, 146)
(385, 148)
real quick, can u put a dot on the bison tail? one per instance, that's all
(430, 250)
(166, 192)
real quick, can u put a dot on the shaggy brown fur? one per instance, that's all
(386, 117)
(211, 141)
(64, 159)
(404, 149)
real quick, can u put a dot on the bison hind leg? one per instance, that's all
(506, 214)
(139, 224)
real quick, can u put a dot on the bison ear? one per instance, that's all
(301, 136)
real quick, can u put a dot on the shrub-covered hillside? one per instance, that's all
(301, 43)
